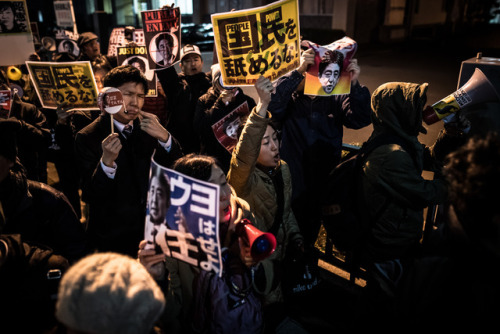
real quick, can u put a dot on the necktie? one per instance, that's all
(127, 130)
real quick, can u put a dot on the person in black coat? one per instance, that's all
(40, 213)
(115, 165)
(213, 106)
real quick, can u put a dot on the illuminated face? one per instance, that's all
(158, 201)
(269, 155)
(232, 128)
(191, 64)
(165, 51)
(7, 18)
(92, 49)
(329, 77)
(133, 99)
(99, 75)
(218, 177)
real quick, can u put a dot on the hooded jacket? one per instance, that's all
(395, 192)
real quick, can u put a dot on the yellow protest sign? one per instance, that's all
(259, 41)
(70, 82)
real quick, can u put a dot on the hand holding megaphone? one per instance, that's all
(262, 244)
(477, 90)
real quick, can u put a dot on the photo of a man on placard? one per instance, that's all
(330, 68)
(166, 46)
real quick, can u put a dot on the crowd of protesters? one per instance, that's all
(67, 248)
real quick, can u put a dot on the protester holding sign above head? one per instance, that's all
(312, 130)
(260, 177)
(217, 103)
(183, 91)
(115, 160)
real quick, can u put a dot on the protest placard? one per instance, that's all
(70, 82)
(226, 129)
(119, 38)
(138, 57)
(182, 218)
(65, 16)
(163, 36)
(260, 41)
(5, 103)
(329, 75)
(66, 43)
(15, 32)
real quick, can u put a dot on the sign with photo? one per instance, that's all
(15, 32)
(163, 36)
(70, 82)
(260, 41)
(329, 75)
(182, 218)
(226, 129)
(138, 57)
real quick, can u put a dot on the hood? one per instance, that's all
(397, 107)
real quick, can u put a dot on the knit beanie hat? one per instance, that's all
(109, 293)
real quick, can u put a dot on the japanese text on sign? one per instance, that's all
(261, 41)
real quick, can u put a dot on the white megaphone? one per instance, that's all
(477, 90)
(48, 43)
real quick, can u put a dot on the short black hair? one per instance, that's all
(123, 74)
(168, 37)
(331, 57)
(197, 166)
(137, 60)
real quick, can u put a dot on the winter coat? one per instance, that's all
(117, 207)
(395, 192)
(210, 110)
(183, 92)
(257, 188)
(178, 315)
(312, 129)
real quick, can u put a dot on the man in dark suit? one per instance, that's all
(115, 166)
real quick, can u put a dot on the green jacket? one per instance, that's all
(257, 188)
(394, 190)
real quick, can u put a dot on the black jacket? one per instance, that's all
(117, 207)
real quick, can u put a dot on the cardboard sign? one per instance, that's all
(184, 226)
(5, 103)
(163, 36)
(70, 82)
(329, 75)
(138, 57)
(117, 39)
(226, 129)
(260, 41)
(65, 16)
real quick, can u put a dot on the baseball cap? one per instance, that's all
(188, 49)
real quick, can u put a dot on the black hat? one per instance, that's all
(85, 38)
(8, 138)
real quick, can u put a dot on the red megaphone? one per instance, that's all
(262, 244)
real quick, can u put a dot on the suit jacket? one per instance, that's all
(117, 207)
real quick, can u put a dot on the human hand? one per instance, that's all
(354, 70)
(151, 125)
(63, 113)
(264, 88)
(151, 261)
(456, 123)
(245, 253)
(227, 95)
(111, 146)
(306, 59)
